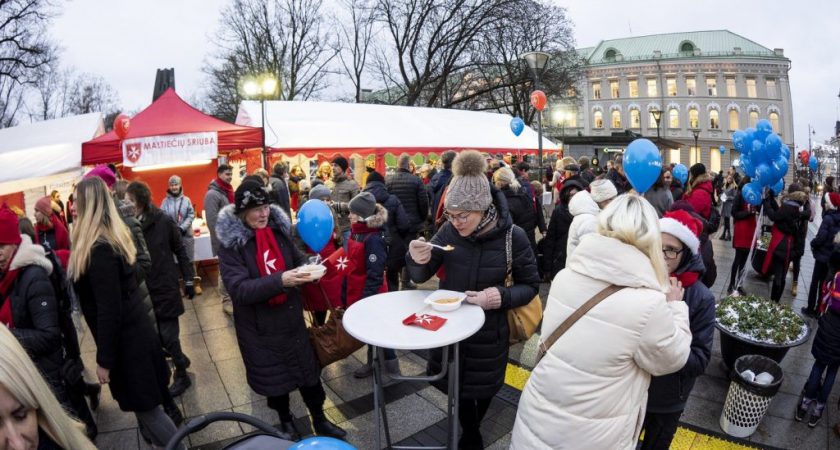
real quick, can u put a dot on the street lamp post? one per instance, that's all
(537, 62)
(261, 87)
(657, 117)
(696, 134)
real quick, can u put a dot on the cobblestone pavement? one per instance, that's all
(417, 410)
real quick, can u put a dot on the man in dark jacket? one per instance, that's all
(586, 173)
(412, 194)
(280, 188)
(617, 176)
(219, 194)
(163, 240)
(397, 227)
(668, 394)
(786, 219)
(822, 247)
(344, 190)
(554, 243)
(439, 183)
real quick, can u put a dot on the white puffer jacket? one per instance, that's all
(585, 212)
(590, 390)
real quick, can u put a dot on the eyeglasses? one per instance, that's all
(670, 253)
(459, 217)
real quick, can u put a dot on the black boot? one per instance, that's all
(180, 382)
(324, 427)
(289, 429)
(92, 391)
(174, 413)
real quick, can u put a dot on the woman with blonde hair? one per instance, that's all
(30, 415)
(602, 399)
(129, 357)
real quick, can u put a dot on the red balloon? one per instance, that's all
(804, 156)
(538, 100)
(121, 124)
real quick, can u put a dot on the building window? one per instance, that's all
(609, 55)
(674, 156)
(774, 121)
(635, 119)
(652, 122)
(694, 156)
(731, 91)
(672, 86)
(651, 85)
(691, 86)
(596, 90)
(614, 90)
(634, 88)
(714, 159)
(687, 47)
(753, 118)
(673, 118)
(598, 119)
(711, 87)
(714, 120)
(772, 92)
(616, 119)
(693, 118)
(751, 92)
(733, 120)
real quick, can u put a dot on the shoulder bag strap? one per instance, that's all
(509, 257)
(580, 312)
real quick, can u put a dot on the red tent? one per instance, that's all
(169, 114)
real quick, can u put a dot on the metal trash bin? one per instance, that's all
(747, 401)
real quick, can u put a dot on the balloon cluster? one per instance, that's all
(764, 158)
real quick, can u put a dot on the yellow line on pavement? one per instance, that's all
(685, 439)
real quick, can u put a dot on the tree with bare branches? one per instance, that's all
(356, 33)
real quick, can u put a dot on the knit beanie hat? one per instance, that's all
(832, 200)
(9, 232)
(683, 226)
(341, 161)
(602, 190)
(105, 173)
(251, 193)
(320, 191)
(363, 205)
(375, 176)
(697, 170)
(44, 206)
(469, 189)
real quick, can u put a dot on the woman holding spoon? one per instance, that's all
(477, 229)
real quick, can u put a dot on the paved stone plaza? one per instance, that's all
(416, 410)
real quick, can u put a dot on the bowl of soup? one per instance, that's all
(315, 271)
(443, 300)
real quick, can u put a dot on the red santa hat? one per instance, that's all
(832, 200)
(683, 226)
(9, 233)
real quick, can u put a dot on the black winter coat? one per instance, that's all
(280, 193)
(163, 241)
(786, 218)
(126, 341)
(669, 393)
(397, 225)
(273, 340)
(143, 263)
(556, 240)
(521, 207)
(411, 192)
(826, 346)
(437, 185)
(479, 262)
(823, 243)
(35, 312)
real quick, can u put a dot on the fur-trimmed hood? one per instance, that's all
(379, 218)
(232, 232)
(797, 196)
(29, 254)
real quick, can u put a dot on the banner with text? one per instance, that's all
(171, 148)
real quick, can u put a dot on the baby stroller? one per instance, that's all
(267, 437)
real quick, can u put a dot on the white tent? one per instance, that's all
(44, 153)
(326, 126)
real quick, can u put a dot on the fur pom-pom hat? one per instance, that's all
(469, 189)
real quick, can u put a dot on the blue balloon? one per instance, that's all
(764, 175)
(517, 125)
(739, 140)
(764, 126)
(785, 152)
(321, 443)
(642, 164)
(680, 172)
(315, 224)
(813, 163)
(780, 167)
(749, 168)
(778, 187)
(722, 149)
(752, 193)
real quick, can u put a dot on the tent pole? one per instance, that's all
(264, 150)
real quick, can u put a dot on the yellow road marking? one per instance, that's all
(685, 439)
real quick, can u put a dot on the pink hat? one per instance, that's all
(9, 233)
(104, 172)
(44, 206)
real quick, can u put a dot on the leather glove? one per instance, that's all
(489, 298)
(420, 251)
(189, 289)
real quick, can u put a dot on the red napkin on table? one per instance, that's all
(426, 321)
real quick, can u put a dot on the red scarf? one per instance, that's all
(269, 259)
(687, 278)
(362, 228)
(5, 299)
(225, 187)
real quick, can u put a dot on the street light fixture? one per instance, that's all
(537, 62)
(696, 134)
(657, 116)
(260, 87)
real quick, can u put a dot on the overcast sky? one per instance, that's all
(125, 41)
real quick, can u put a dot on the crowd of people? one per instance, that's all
(127, 265)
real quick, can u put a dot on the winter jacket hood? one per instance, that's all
(798, 197)
(379, 218)
(29, 254)
(378, 190)
(582, 203)
(234, 233)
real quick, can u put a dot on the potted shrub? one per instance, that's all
(752, 325)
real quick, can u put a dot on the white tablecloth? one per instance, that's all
(203, 250)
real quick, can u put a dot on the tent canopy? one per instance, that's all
(329, 128)
(46, 148)
(170, 114)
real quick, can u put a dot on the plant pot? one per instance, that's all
(733, 346)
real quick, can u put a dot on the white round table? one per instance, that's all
(377, 321)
